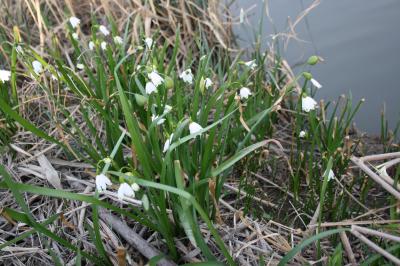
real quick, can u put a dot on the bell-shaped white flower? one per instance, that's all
(331, 175)
(103, 45)
(168, 143)
(187, 76)
(91, 45)
(150, 88)
(80, 66)
(160, 121)
(102, 181)
(302, 134)
(118, 40)
(74, 21)
(155, 78)
(125, 190)
(194, 127)
(149, 42)
(208, 83)
(37, 67)
(167, 108)
(251, 64)
(135, 187)
(308, 104)
(5, 75)
(316, 84)
(75, 36)
(244, 93)
(104, 30)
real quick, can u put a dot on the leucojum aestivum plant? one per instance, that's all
(162, 136)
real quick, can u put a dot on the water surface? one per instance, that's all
(359, 41)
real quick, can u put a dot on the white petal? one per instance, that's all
(194, 128)
(74, 21)
(80, 66)
(331, 175)
(150, 88)
(308, 104)
(104, 30)
(118, 40)
(160, 121)
(208, 83)
(149, 42)
(187, 76)
(75, 36)
(135, 187)
(316, 84)
(125, 190)
(91, 45)
(244, 93)
(155, 78)
(103, 45)
(5, 75)
(102, 181)
(37, 67)
(302, 134)
(251, 64)
(168, 143)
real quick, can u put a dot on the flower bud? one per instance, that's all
(307, 75)
(312, 60)
(140, 99)
(169, 82)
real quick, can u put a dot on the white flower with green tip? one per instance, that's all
(194, 127)
(302, 134)
(155, 78)
(102, 181)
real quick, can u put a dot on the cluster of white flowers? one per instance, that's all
(124, 190)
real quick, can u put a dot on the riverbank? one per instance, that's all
(147, 128)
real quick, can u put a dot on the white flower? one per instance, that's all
(91, 45)
(125, 190)
(155, 78)
(75, 36)
(102, 181)
(187, 76)
(37, 67)
(135, 187)
(302, 134)
(241, 17)
(251, 64)
(208, 83)
(160, 121)
(103, 45)
(168, 143)
(244, 93)
(80, 66)
(19, 49)
(308, 104)
(118, 40)
(104, 30)
(167, 108)
(194, 128)
(149, 42)
(74, 21)
(5, 75)
(316, 84)
(331, 175)
(150, 87)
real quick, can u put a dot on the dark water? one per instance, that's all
(359, 40)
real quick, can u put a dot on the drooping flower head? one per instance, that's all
(91, 45)
(74, 21)
(104, 30)
(159, 122)
(187, 76)
(168, 143)
(149, 42)
(308, 104)
(102, 181)
(194, 127)
(150, 88)
(118, 40)
(155, 78)
(103, 45)
(75, 36)
(208, 83)
(251, 64)
(302, 134)
(125, 190)
(80, 66)
(244, 93)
